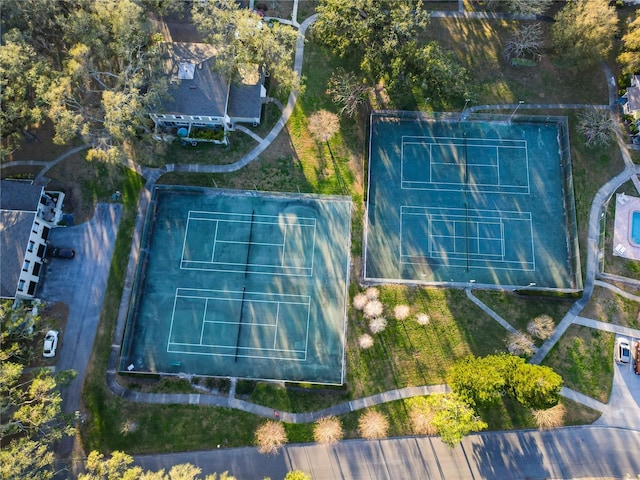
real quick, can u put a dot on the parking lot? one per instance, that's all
(80, 283)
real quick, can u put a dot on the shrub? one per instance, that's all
(400, 312)
(549, 418)
(422, 413)
(541, 327)
(423, 319)
(519, 344)
(373, 425)
(377, 324)
(360, 301)
(328, 430)
(365, 341)
(270, 437)
(372, 293)
(373, 309)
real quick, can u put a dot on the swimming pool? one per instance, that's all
(635, 228)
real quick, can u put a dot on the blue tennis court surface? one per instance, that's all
(241, 284)
(478, 201)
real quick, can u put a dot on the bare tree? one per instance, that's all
(526, 43)
(423, 319)
(328, 430)
(521, 7)
(346, 90)
(597, 126)
(422, 414)
(372, 293)
(323, 125)
(270, 437)
(372, 425)
(365, 341)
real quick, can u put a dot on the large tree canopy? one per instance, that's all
(385, 36)
(583, 32)
(630, 56)
(244, 39)
(92, 69)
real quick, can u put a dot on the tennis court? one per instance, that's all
(486, 201)
(241, 284)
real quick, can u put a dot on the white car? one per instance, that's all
(50, 344)
(623, 351)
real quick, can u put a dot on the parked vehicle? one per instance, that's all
(623, 351)
(637, 362)
(50, 344)
(58, 252)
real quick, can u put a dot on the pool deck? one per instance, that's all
(623, 246)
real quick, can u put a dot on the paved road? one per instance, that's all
(80, 283)
(573, 452)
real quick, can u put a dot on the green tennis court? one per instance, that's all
(241, 284)
(484, 201)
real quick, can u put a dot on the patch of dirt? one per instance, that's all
(39, 146)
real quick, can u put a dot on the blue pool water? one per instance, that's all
(635, 228)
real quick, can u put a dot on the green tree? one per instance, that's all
(244, 41)
(478, 380)
(583, 32)
(451, 417)
(630, 56)
(27, 459)
(535, 386)
(21, 89)
(103, 68)
(17, 328)
(297, 475)
(384, 36)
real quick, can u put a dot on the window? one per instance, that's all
(32, 288)
(21, 285)
(45, 233)
(41, 248)
(25, 266)
(36, 268)
(30, 247)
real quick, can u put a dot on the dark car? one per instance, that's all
(637, 364)
(58, 252)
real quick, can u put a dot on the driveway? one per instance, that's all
(80, 283)
(623, 409)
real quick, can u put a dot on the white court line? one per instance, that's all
(184, 241)
(215, 239)
(284, 241)
(275, 333)
(173, 316)
(253, 272)
(251, 243)
(204, 319)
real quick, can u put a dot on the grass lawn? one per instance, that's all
(519, 310)
(584, 359)
(607, 306)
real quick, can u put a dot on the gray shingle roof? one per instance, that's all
(633, 94)
(15, 228)
(207, 93)
(17, 195)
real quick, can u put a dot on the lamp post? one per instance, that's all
(515, 110)
(466, 102)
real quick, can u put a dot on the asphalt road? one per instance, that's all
(80, 283)
(571, 452)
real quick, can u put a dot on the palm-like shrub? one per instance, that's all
(328, 430)
(519, 344)
(423, 319)
(400, 312)
(360, 301)
(377, 324)
(551, 417)
(372, 293)
(541, 327)
(372, 425)
(365, 341)
(270, 437)
(373, 309)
